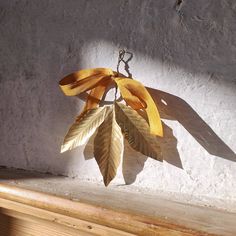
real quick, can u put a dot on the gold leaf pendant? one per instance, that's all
(111, 121)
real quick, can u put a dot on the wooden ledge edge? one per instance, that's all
(117, 219)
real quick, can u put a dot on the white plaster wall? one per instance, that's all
(185, 52)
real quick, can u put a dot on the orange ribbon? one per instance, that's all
(97, 80)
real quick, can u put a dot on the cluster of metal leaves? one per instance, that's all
(113, 124)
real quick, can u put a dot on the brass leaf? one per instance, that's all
(108, 147)
(83, 128)
(136, 131)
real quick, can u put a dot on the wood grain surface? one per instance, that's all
(28, 208)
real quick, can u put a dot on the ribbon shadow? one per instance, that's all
(173, 107)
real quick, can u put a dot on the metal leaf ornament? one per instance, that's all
(115, 122)
(136, 130)
(108, 146)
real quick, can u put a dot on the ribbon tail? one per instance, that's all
(83, 80)
(137, 90)
(94, 97)
(96, 80)
(129, 98)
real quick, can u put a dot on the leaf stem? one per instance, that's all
(116, 90)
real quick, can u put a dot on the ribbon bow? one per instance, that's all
(98, 79)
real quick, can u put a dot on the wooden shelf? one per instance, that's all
(36, 204)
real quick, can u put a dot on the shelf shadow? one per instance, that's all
(6, 225)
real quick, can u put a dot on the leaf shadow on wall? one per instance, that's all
(173, 108)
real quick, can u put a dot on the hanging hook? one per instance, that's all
(120, 58)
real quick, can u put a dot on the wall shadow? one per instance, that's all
(34, 113)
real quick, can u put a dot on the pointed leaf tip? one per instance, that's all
(108, 147)
(84, 128)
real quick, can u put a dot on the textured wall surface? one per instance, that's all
(184, 50)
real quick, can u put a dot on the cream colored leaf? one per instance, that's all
(83, 128)
(136, 131)
(108, 147)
